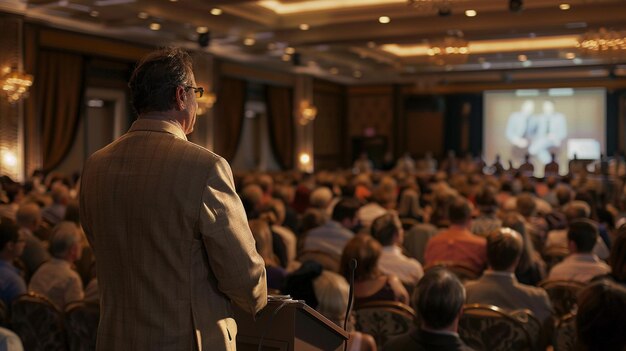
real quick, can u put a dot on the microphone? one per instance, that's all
(353, 264)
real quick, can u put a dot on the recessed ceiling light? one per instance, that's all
(216, 11)
(384, 19)
(334, 70)
(522, 58)
(249, 41)
(155, 26)
(564, 6)
(289, 50)
(94, 13)
(142, 15)
(470, 13)
(570, 55)
(202, 30)
(357, 74)
(286, 57)
(304, 26)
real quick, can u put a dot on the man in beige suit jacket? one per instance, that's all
(170, 235)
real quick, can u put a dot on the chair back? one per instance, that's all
(81, 325)
(461, 271)
(565, 333)
(563, 294)
(533, 326)
(38, 323)
(487, 327)
(384, 320)
(328, 261)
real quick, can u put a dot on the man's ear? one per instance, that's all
(181, 98)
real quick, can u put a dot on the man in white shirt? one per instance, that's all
(35, 253)
(581, 265)
(387, 229)
(55, 279)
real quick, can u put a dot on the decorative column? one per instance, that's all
(304, 112)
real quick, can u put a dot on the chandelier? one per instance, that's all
(16, 84)
(448, 51)
(603, 42)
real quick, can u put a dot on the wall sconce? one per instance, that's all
(16, 84)
(206, 102)
(308, 113)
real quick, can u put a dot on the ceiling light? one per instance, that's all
(304, 26)
(522, 58)
(216, 11)
(286, 57)
(570, 55)
(155, 26)
(384, 19)
(334, 70)
(94, 13)
(173, 0)
(142, 15)
(289, 50)
(202, 30)
(564, 7)
(470, 13)
(249, 41)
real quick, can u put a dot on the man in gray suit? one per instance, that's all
(169, 232)
(498, 285)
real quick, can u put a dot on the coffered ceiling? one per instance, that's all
(364, 41)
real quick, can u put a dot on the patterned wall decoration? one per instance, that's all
(10, 121)
(370, 107)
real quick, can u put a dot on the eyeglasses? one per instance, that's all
(199, 91)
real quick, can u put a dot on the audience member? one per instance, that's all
(370, 284)
(55, 213)
(600, 317)
(438, 300)
(487, 221)
(387, 229)
(263, 240)
(581, 265)
(332, 237)
(56, 279)
(385, 197)
(617, 259)
(457, 244)
(9, 341)
(531, 269)
(14, 195)
(498, 285)
(331, 291)
(11, 246)
(35, 254)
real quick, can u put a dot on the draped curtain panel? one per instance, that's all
(280, 123)
(59, 95)
(231, 99)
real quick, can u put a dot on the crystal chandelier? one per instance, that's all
(603, 42)
(448, 51)
(16, 84)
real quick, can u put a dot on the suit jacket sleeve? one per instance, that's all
(239, 269)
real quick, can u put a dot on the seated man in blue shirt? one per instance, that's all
(11, 246)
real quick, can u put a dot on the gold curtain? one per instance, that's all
(59, 93)
(280, 120)
(231, 98)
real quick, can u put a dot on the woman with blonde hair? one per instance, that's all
(331, 291)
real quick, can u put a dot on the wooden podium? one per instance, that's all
(295, 327)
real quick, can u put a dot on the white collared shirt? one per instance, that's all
(393, 261)
(579, 267)
(57, 281)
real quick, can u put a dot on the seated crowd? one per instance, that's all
(434, 240)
